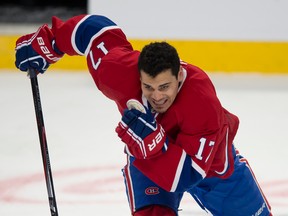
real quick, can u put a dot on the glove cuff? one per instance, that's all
(56, 49)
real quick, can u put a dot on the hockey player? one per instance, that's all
(178, 139)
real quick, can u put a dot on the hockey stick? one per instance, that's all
(43, 142)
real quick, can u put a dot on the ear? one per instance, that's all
(180, 74)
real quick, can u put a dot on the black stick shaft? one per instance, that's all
(43, 142)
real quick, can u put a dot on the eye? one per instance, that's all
(164, 87)
(147, 87)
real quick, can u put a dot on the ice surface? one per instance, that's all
(86, 154)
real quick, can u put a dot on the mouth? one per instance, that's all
(159, 104)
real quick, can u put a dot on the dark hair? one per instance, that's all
(157, 57)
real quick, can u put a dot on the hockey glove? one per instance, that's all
(143, 136)
(37, 50)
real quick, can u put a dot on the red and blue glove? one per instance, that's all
(37, 50)
(143, 136)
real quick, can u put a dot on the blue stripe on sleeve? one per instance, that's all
(87, 29)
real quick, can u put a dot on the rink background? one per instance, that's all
(86, 155)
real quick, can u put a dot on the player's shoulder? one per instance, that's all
(197, 96)
(195, 74)
(196, 82)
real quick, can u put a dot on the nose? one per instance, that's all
(157, 96)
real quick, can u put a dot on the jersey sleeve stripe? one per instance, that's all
(73, 36)
(97, 35)
(178, 172)
(87, 29)
(226, 156)
(198, 169)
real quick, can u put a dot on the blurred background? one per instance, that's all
(35, 11)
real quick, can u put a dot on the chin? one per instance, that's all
(160, 110)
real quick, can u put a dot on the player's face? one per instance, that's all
(161, 90)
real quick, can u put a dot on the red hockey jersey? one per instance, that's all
(196, 124)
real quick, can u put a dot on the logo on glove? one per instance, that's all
(157, 139)
(45, 50)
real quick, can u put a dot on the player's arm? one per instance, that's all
(78, 34)
(73, 37)
(163, 162)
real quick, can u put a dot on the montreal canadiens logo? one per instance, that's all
(152, 191)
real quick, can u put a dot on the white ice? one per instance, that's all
(87, 156)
